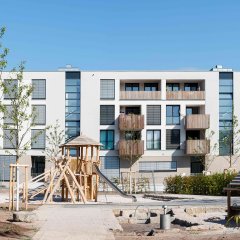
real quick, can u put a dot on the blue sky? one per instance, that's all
(123, 34)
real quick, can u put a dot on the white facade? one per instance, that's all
(90, 102)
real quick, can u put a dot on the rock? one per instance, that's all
(24, 216)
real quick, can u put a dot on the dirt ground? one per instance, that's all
(140, 231)
(14, 230)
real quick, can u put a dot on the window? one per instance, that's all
(12, 86)
(225, 112)
(191, 110)
(173, 115)
(157, 166)
(107, 139)
(107, 89)
(107, 115)
(153, 139)
(131, 86)
(38, 165)
(150, 86)
(39, 89)
(133, 135)
(173, 139)
(38, 139)
(72, 105)
(9, 138)
(133, 110)
(153, 115)
(173, 87)
(110, 166)
(190, 86)
(5, 161)
(40, 114)
(8, 117)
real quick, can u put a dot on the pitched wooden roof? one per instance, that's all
(81, 140)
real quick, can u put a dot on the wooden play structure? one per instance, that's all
(233, 186)
(75, 175)
(73, 179)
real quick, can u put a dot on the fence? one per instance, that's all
(141, 183)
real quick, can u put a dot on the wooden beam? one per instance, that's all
(77, 184)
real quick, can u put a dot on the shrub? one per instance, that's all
(199, 185)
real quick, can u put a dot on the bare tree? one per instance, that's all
(208, 158)
(54, 138)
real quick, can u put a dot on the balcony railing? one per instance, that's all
(128, 148)
(185, 95)
(131, 122)
(140, 95)
(197, 147)
(197, 121)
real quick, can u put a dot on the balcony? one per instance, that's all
(131, 148)
(197, 147)
(140, 95)
(131, 122)
(185, 95)
(197, 121)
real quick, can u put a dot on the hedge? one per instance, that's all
(199, 185)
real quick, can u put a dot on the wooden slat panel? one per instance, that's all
(140, 95)
(131, 122)
(128, 148)
(197, 121)
(197, 147)
(185, 95)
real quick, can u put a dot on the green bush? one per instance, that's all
(199, 185)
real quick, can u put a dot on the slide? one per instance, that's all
(113, 186)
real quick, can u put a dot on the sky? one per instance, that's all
(122, 34)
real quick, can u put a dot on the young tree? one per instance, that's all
(54, 138)
(230, 142)
(207, 159)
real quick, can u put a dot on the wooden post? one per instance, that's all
(10, 207)
(229, 202)
(26, 188)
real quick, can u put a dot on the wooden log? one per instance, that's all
(49, 187)
(78, 186)
(10, 189)
(26, 188)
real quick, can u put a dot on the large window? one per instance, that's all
(131, 86)
(157, 166)
(107, 89)
(150, 86)
(225, 112)
(153, 139)
(39, 89)
(153, 115)
(110, 166)
(5, 161)
(9, 138)
(173, 87)
(107, 114)
(72, 110)
(11, 85)
(40, 114)
(38, 139)
(173, 139)
(107, 139)
(190, 86)
(173, 115)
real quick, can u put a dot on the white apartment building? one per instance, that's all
(162, 119)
